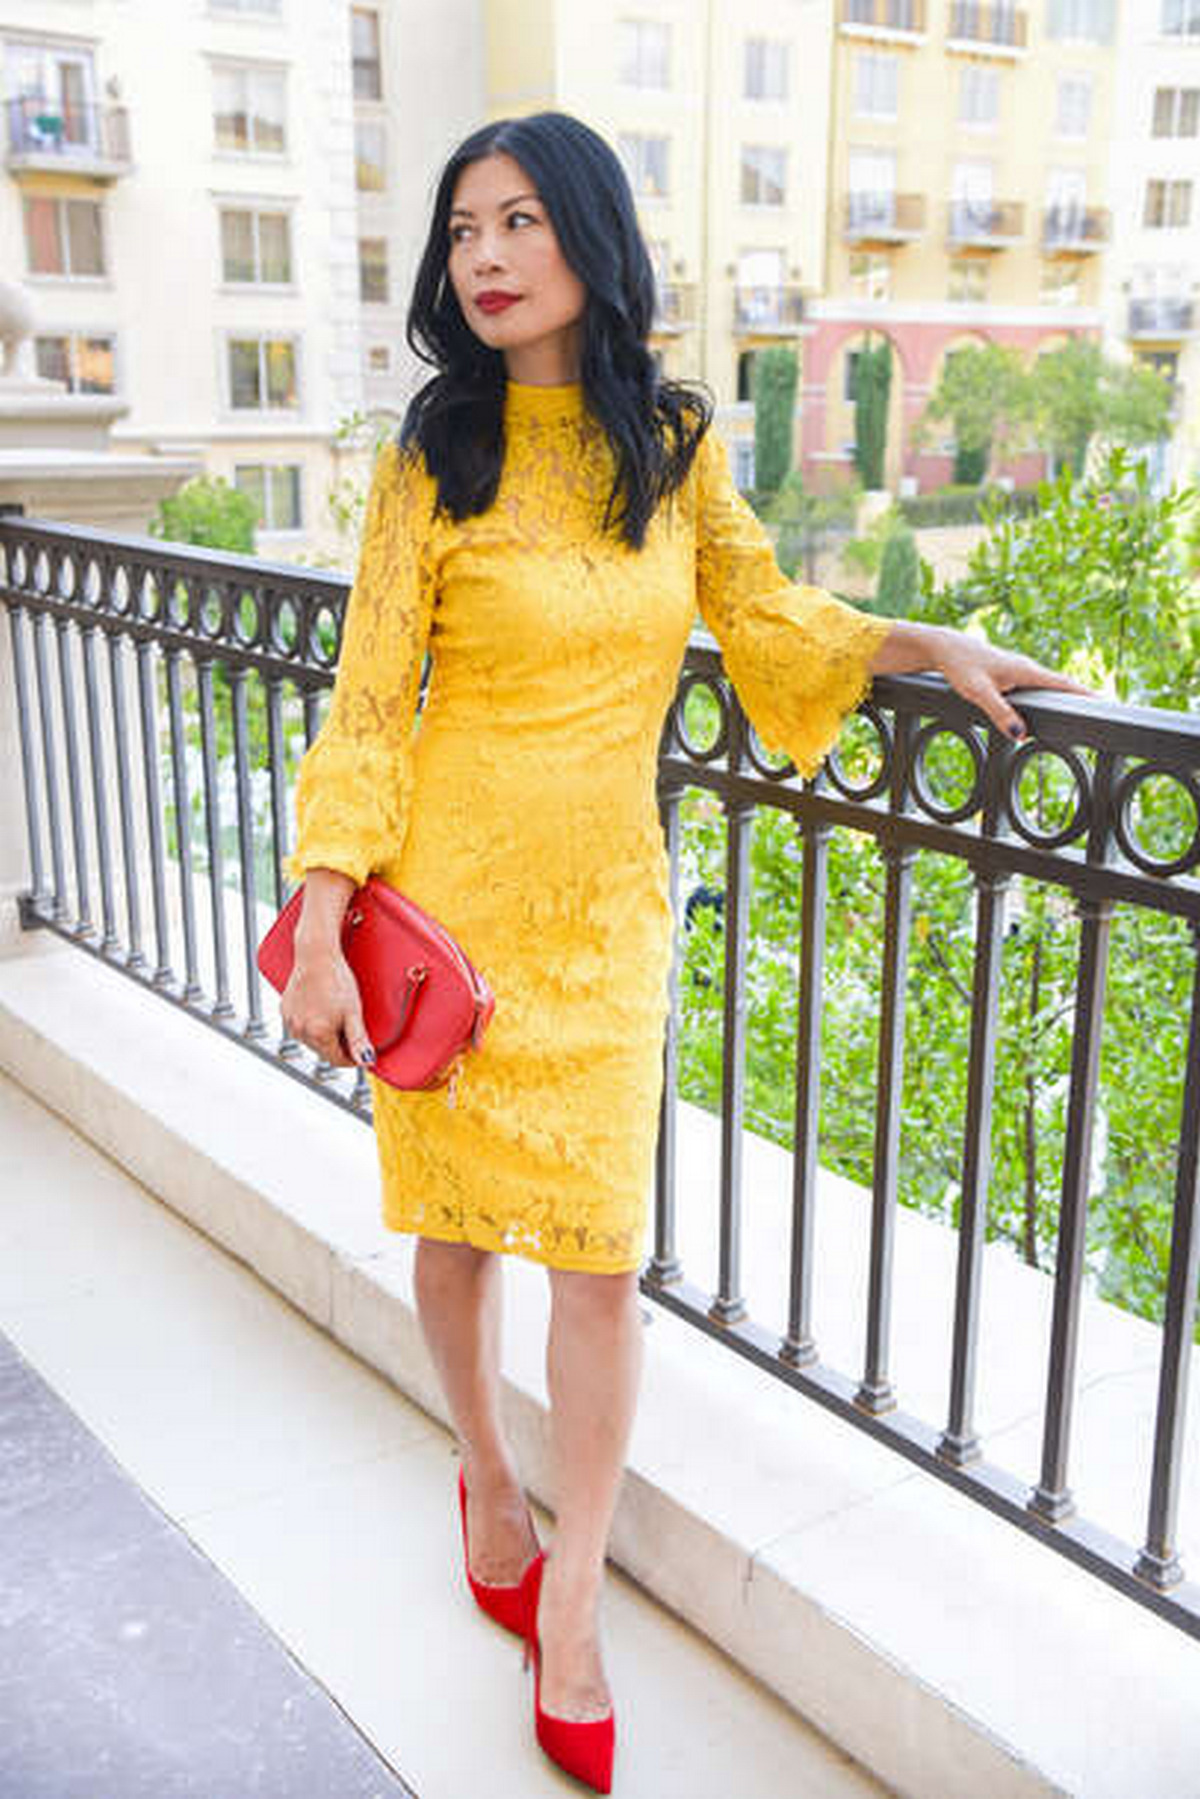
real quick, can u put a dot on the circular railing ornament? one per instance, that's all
(1125, 829)
(867, 720)
(922, 777)
(1080, 815)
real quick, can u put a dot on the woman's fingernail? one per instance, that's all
(1017, 731)
(368, 1055)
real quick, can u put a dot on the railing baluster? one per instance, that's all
(110, 942)
(66, 684)
(163, 974)
(1052, 1498)
(278, 775)
(875, 1392)
(254, 1026)
(59, 910)
(135, 960)
(33, 819)
(799, 1345)
(958, 1442)
(222, 1005)
(1159, 1560)
(728, 1303)
(192, 990)
(664, 1265)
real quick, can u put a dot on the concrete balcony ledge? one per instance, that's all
(944, 1650)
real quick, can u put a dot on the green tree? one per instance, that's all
(776, 376)
(899, 575)
(1079, 393)
(872, 385)
(1097, 581)
(984, 392)
(807, 521)
(208, 511)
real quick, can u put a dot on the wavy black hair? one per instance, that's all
(654, 425)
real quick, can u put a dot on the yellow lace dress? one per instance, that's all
(521, 810)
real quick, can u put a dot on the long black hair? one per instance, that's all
(653, 425)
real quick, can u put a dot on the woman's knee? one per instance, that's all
(441, 1258)
(582, 1290)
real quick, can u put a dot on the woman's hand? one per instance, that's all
(976, 669)
(321, 1004)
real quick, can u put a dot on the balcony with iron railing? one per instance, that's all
(1075, 230)
(988, 28)
(897, 20)
(1164, 318)
(776, 311)
(67, 137)
(159, 697)
(675, 306)
(985, 224)
(883, 218)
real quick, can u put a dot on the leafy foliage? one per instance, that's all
(207, 510)
(1097, 582)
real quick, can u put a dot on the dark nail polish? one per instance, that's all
(368, 1056)
(1016, 732)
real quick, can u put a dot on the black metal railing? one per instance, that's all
(157, 686)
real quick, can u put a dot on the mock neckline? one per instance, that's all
(529, 400)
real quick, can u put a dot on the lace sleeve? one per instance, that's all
(799, 659)
(354, 780)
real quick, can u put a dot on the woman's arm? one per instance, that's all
(976, 669)
(321, 1003)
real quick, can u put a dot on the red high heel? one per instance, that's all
(580, 1746)
(508, 1605)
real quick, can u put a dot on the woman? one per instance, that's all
(546, 526)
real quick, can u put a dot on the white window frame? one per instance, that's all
(634, 149)
(766, 69)
(230, 334)
(250, 69)
(375, 62)
(875, 73)
(255, 205)
(73, 333)
(1081, 82)
(382, 238)
(749, 152)
(1189, 19)
(60, 202)
(976, 80)
(643, 53)
(266, 468)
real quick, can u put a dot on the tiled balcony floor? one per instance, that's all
(328, 1500)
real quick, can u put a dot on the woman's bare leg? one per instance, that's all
(593, 1363)
(458, 1292)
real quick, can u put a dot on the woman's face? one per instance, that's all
(502, 242)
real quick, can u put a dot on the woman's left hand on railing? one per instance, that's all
(980, 671)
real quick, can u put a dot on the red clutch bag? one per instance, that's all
(424, 1003)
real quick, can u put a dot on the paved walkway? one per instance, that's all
(132, 1667)
(263, 1594)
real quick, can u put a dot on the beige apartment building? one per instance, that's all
(968, 202)
(215, 207)
(721, 113)
(1152, 294)
(212, 207)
